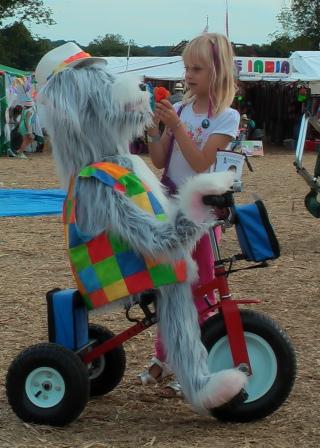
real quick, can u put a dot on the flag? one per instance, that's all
(206, 29)
(227, 19)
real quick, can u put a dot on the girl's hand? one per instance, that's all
(165, 112)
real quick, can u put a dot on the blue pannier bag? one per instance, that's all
(67, 319)
(257, 239)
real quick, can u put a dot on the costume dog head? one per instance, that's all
(100, 114)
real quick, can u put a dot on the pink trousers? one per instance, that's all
(204, 258)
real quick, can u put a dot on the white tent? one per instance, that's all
(305, 67)
(166, 68)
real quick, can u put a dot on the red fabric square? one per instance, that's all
(180, 270)
(98, 298)
(99, 248)
(139, 282)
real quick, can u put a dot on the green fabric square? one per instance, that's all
(80, 257)
(162, 274)
(162, 217)
(132, 184)
(87, 171)
(68, 209)
(87, 301)
(117, 243)
(108, 271)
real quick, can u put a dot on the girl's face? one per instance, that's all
(197, 76)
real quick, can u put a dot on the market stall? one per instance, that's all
(15, 85)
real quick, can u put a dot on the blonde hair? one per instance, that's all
(215, 51)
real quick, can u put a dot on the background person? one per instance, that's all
(25, 128)
(177, 93)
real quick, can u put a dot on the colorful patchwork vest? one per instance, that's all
(105, 267)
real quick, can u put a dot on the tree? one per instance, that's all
(301, 20)
(19, 49)
(25, 10)
(114, 45)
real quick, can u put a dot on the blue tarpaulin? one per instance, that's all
(31, 202)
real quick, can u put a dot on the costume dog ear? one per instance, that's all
(192, 192)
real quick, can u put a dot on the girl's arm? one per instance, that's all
(200, 161)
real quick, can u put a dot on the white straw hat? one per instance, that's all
(178, 86)
(56, 60)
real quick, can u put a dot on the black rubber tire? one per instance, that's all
(107, 371)
(261, 325)
(68, 365)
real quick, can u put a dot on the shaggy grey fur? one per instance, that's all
(91, 116)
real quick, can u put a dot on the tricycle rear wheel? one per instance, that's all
(105, 372)
(47, 384)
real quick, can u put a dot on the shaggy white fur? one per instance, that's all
(220, 389)
(92, 116)
(192, 192)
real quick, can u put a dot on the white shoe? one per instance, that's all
(10, 153)
(21, 155)
(146, 378)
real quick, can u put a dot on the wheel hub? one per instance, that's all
(45, 387)
(262, 359)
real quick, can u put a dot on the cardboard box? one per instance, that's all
(230, 161)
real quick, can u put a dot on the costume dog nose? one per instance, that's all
(143, 86)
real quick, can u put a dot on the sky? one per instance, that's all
(160, 22)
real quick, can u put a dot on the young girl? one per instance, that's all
(205, 123)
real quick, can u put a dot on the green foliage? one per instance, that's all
(25, 10)
(159, 50)
(114, 45)
(300, 24)
(19, 49)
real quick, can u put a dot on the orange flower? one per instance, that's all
(160, 93)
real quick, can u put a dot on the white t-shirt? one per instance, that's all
(226, 122)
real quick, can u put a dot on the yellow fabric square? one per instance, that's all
(116, 290)
(142, 201)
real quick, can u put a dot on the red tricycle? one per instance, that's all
(50, 383)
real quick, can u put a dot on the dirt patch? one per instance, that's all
(33, 261)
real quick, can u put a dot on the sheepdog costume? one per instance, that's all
(124, 236)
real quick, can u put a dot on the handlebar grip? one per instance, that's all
(219, 201)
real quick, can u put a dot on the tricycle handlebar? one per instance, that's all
(220, 201)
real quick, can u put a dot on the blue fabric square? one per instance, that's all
(158, 210)
(89, 279)
(74, 239)
(105, 178)
(130, 263)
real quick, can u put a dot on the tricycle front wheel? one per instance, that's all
(272, 360)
